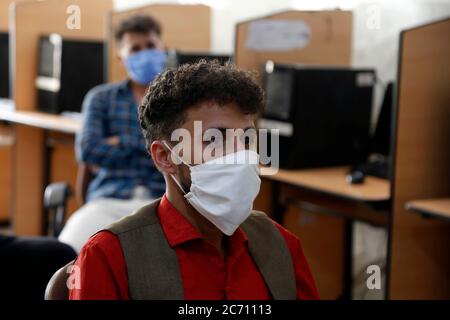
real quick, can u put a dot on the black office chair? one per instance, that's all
(57, 194)
(55, 201)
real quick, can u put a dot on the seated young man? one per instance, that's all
(201, 240)
(111, 143)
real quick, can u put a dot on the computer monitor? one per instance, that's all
(278, 87)
(4, 65)
(176, 58)
(322, 113)
(67, 70)
(381, 140)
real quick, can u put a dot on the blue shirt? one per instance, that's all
(111, 110)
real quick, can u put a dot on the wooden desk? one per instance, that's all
(332, 181)
(324, 193)
(41, 120)
(6, 147)
(43, 153)
(435, 208)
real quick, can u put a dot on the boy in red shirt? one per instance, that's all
(202, 238)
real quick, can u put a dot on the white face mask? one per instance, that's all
(223, 189)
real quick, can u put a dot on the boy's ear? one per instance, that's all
(162, 158)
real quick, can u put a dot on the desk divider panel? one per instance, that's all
(4, 14)
(327, 40)
(419, 248)
(185, 27)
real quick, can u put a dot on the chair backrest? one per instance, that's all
(84, 178)
(55, 202)
(57, 286)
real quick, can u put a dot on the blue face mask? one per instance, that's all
(145, 65)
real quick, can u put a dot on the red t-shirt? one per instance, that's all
(205, 273)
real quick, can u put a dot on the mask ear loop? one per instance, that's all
(182, 161)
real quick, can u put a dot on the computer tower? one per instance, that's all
(4, 65)
(176, 58)
(67, 70)
(322, 113)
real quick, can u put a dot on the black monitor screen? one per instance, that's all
(46, 55)
(81, 70)
(192, 58)
(177, 58)
(74, 67)
(382, 136)
(4, 65)
(332, 112)
(329, 109)
(278, 86)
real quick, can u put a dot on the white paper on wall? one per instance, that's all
(278, 35)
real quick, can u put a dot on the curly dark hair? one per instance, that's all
(138, 23)
(174, 91)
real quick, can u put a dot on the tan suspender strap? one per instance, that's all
(152, 265)
(272, 256)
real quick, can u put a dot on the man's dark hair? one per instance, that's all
(173, 92)
(138, 24)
